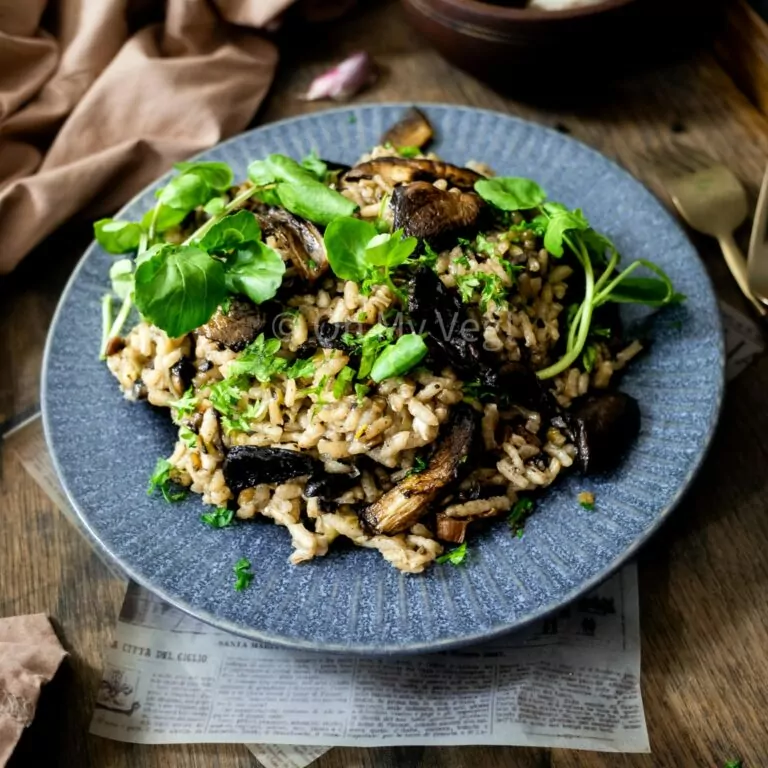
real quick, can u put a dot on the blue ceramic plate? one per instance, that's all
(105, 447)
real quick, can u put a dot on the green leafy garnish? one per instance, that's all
(188, 437)
(243, 574)
(161, 480)
(589, 357)
(566, 229)
(315, 165)
(510, 193)
(484, 245)
(408, 151)
(121, 276)
(358, 252)
(520, 510)
(455, 556)
(733, 764)
(399, 358)
(117, 236)
(217, 175)
(490, 287)
(178, 288)
(185, 406)
(221, 517)
(370, 345)
(361, 390)
(215, 206)
(299, 191)
(419, 465)
(343, 382)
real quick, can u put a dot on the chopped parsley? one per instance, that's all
(352, 119)
(188, 436)
(161, 481)
(537, 225)
(455, 556)
(221, 517)
(258, 360)
(484, 245)
(343, 381)
(589, 357)
(243, 574)
(462, 261)
(429, 257)
(370, 346)
(241, 422)
(521, 509)
(419, 465)
(733, 764)
(225, 396)
(587, 500)
(185, 406)
(410, 151)
(490, 288)
(361, 390)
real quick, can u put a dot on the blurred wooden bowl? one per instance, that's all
(530, 50)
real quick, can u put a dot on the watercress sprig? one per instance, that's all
(563, 228)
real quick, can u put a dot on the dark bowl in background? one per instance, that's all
(544, 53)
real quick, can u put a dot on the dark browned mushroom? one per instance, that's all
(440, 313)
(450, 528)
(402, 506)
(297, 240)
(404, 170)
(412, 130)
(182, 372)
(422, 210)
(236, 328)
(603, 427)
(248, 465)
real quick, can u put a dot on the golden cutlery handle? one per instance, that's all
(738, 266)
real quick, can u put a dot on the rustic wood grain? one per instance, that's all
(703, 579)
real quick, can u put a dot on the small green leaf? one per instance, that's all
(166, 218)
(185, 192)
(255, 271)
(117, 236)
(232, 231)
(389, 251)
(588, 357)
(188, 437)
(215, 206)
(398, 359)
(315, 202)
(521, 509)
(121, 275)
(346, 240)
(409, 151)
(217, 175)
(221, 517)
(243, 574)
(561, 222)
(161, 480)
(455, 556)
(315, 165)
(511, 193)
(343, 382)
(361, 390)
(178, 288)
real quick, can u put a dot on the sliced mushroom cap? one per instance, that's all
(412, 130)
(441, 314)
(402, 506)
(246, 466)
(327, 487)
(236, 328)
(182, 372)
(404, 170)
(297, 240)
(422, 210)
(603, 427)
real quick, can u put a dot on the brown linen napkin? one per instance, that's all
(94, 105)
(30, 654)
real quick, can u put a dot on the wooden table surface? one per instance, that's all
(704, 577)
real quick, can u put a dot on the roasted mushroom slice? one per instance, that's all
(412, 130)
(182, 372)
(297, 240)
(248, 465)
(441, 314)
(404, 170)
(237, 327)
(327, 487)
(422, 210)
(603, 427)
(450, 528)
(402, 506)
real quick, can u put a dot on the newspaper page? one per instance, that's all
(571, 681)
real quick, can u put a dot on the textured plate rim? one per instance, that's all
(413, 647)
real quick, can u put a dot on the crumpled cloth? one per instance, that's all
(99, 97)
(30, 654)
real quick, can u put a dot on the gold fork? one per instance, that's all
(714, 202)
